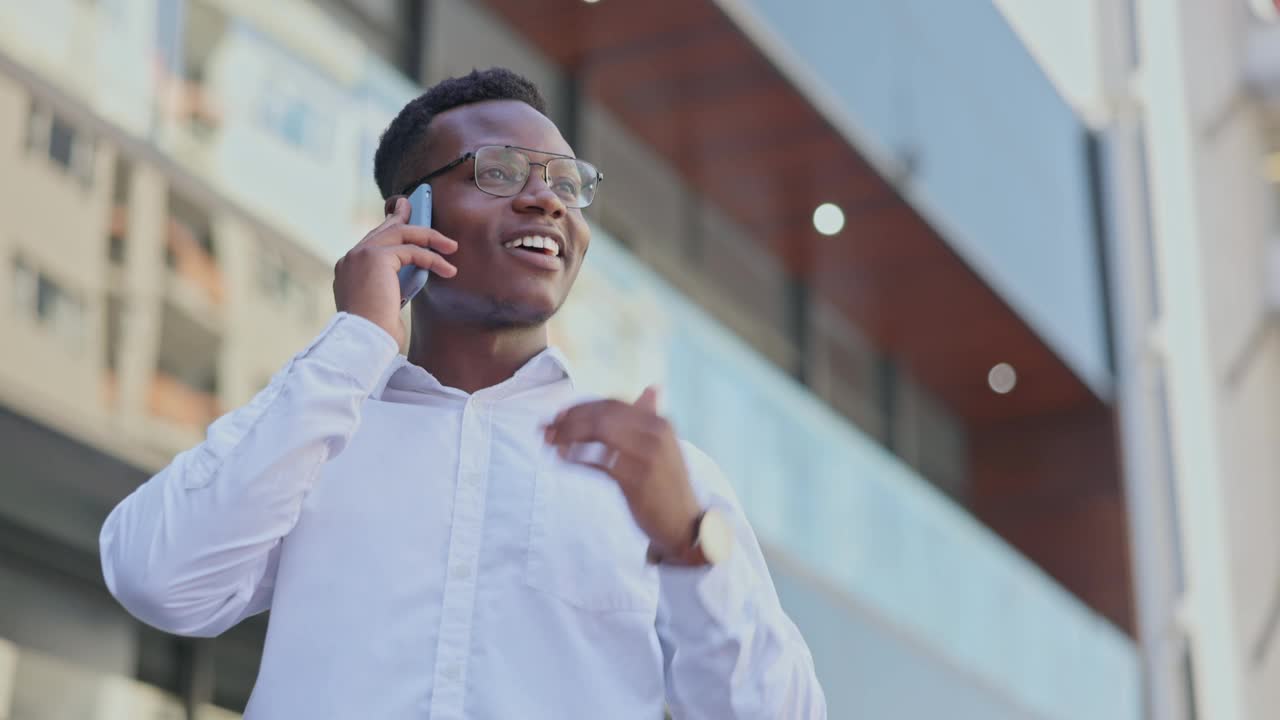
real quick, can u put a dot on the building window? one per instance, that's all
(285, 288)
(24, 287)
(39, 297)
(115, 331)
(115, 249)
(274, 279)
(61, 141)
(121, 183)
(46, 297)
(67, 147)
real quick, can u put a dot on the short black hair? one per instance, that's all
(410, 126)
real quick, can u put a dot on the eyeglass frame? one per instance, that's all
(471, 154)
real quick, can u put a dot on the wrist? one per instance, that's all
(708, 542)
(391, 326)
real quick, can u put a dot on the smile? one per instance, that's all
(535, 243)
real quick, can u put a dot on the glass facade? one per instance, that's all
(847, 511)
(948, 99)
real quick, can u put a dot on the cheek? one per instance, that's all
(582, 235)
(470, 229)
(459, 210)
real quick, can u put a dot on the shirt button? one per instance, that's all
(451, 672)
(471, 478)
(461, 572)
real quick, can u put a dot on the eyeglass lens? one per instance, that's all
(504, 171)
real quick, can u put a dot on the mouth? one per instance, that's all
(539, 250)
(541, 244)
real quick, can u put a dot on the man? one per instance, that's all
(460, 533)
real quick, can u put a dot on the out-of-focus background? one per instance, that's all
(975, 303)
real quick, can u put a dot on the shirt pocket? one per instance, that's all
(584, 547)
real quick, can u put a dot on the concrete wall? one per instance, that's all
(1200, 356)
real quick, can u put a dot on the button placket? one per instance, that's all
(458, 604)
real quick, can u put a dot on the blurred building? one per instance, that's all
(1192, 134)
(917, 409)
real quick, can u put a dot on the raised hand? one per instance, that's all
(645, 460)
(365, 280)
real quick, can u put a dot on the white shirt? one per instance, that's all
(426, 555)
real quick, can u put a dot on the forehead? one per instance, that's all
(495, 122)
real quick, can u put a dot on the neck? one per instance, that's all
(470, 358)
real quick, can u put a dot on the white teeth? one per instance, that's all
(535, 241)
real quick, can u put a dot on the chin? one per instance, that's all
(514, 321)
(511, 315)
(491, 312)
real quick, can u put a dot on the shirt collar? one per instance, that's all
(546, 367)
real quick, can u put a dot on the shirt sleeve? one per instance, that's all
(193, 550)
(730, 650)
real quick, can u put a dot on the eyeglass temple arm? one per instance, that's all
(435, 173)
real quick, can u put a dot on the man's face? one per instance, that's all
(496, 286)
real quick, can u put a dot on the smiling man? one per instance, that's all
(462, 533)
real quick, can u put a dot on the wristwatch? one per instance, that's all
(712, 542)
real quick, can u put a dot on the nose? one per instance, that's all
(537, 196)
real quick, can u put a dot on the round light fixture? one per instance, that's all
(828, 219)
(1002, 378)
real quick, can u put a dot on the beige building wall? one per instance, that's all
(1196, 219)
(94, 323)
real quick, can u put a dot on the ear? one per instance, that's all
(389, 206)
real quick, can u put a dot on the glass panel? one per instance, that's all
(819, 491)
(995, 157)
(61, 139)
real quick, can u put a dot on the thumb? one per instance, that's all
(648, 399)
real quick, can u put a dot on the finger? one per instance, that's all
(412, 234)
(399, 216)
(648, 399)
(425, 237)
(625, 470)
(423, 258)
(402, 209)
(392, 203)
(621, 426)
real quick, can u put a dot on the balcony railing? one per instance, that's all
(174, 401)
(192, 262)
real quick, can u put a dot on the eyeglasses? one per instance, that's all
(503, 170)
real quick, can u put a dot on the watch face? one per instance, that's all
(715, 537)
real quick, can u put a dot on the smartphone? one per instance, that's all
(412, 277)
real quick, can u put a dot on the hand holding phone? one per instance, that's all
(413, 278)
(373, 279)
